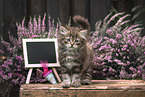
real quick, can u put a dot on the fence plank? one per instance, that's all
(123, 6)
(1, 16)
(1, 22)
(141, 3)
(36, 7)
(59, 9)
(98, 10)
(79, 7)
(53, 9)
(64, 11)
(13, 11)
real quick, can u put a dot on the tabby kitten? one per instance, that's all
(75, 53)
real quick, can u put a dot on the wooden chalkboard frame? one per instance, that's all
(31, 66)
(25, 52)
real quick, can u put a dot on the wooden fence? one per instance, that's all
(12, 11)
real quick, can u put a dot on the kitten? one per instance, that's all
(75, 53)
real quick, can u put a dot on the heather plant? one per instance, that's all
(135, 14)
(13, 68)
(119, 49)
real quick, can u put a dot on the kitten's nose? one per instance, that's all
(72, 44)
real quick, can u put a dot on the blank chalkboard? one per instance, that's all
(37, 50)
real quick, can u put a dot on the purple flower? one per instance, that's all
(35, 36)
(10, 75)
(113, 41)
(117, 54)
(13, 68)
(105, 69)
(109, 32)
(118, 36)
(118, 50)
(120, 47)
(1, 51)
(106, 38)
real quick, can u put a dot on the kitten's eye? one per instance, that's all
(76, 41)
(68, 39)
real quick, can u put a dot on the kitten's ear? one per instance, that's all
(83, 34)
(63, 30)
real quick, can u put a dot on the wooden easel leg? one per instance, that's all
(56, 74)
(29, 75)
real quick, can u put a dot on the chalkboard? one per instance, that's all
(37, 50)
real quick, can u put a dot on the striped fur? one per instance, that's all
(75, 54)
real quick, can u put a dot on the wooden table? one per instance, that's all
(98, 88)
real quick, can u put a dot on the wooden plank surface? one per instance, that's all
(106, 88)
(96, 84)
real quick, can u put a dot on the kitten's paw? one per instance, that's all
(86, 82)
(76, 83)
(66, 81)
(76, 80)
(66, 84)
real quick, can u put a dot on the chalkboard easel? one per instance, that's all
(36, 50)
(30, 73)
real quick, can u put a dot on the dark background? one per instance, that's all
(12, 11)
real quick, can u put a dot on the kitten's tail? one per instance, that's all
(82, 21)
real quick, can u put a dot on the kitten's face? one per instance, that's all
(72, 42)
(72, 38)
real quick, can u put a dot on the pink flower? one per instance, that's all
(128, 50)
(117, 54)
(118, 36)
(35, 36)
(118, 50)
(109, 32)
(106, 38)
(113, 41)
(1, 51)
